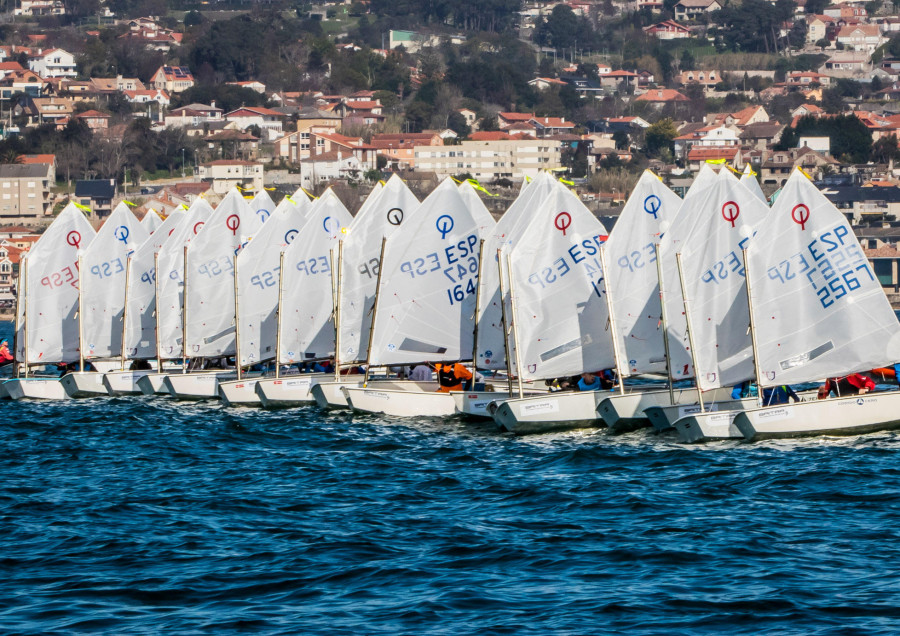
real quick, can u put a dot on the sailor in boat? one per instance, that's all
(779, 395)
(602, 380)
(853, 384)
(5, 355)
(452, 376)
(420, 373)
(744, 390)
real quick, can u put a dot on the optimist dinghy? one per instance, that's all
(817, 311)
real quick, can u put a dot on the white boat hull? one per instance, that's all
(239, 392)
(709, 426)
(105, 366)
(330, 395)
(123, 382)
(549, 412)
(153, 384)
(196, 386)
(663, 418)
(35, 389)
(288, 391)
(4, 394)
(835, 416)
(83, 384)
(626, 412)
(478, 403)
(408, 402)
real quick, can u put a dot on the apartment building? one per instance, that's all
(24, 193)
(488, 159)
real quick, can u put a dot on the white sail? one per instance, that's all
(171, 278)
(262, 205)
(301, 203)
(151, 222)
(307, 298)
(210, 268)
(51, 291)
(394, 206)
(680, 230)
(258, 272)
(558, 289)
(140, 317)
(714, 281)
(104, 265)
(632, 275)
(426, 303)
(819, 311)
(750, 182)
(491, 348)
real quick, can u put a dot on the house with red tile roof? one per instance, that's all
(661, 96)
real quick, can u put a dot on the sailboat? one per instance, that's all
(714, 300)
(105, 268)
(817, 311)
(47, 306)
(491, 333)
(209, 316)
(426, 301)
(139, 316)
(258, 272)
(379, 217)
(559, 313)
(304, 329)
(623, 412)
(748, 180)
(169, 295)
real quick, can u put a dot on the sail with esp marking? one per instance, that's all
(140, 315)
(48, 313)
(392, 207)
(632, 275)
(307, 326)
(713, 266)
(104, 264)
(258, 272)
(491, 347)
(262, 205)
(680, 365)
(819, 310)
(426, 302)
(210, 267)
(558, 291)
(170, 303)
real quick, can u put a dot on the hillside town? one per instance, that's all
(159, 103)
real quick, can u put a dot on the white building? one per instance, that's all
(53, 63)
(269, 121)
(225, 174)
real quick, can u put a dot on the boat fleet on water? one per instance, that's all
(704, 292)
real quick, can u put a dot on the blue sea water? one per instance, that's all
(144, 515)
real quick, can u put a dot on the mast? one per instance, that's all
(278, 315)
(125, 308)
(374, 312)
(159, 364)
(237, 323)
(612, 323)
(503, 322)
(665, 325)
(515, 323)
(690, 331)
(339, 273)
(184, 313)
(477, 310)
(80, 313)
(753, 344)
(21, 297)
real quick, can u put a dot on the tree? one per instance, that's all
(832, 101)
(687, 60)
(620, 137)
(885, 149)
(457, 123)
(659, 136)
